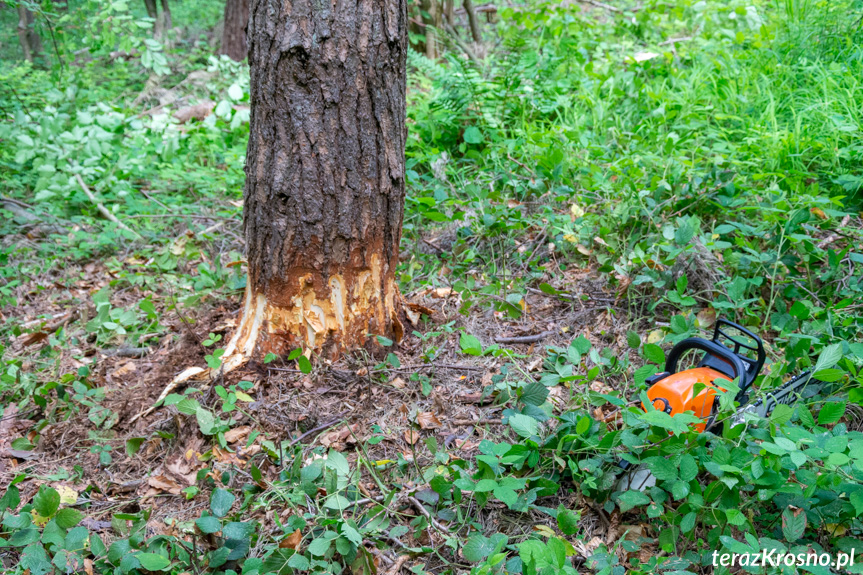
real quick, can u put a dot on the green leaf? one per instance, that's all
(24, 537)
(133, 444)
(221, 501)
(687, 524)
(68, 517)
(793, 524)
(857, 502)
(534, 393)
(678, 424)
(654, 353)
(472, 135)
(831, 412)
(633, 340)
(153, 561)
(524, 425)
(688, 467)
(384, 341)
(470, 344)
(781, 414)
(828, 358)
(567, 520)
(662, 468)
(188, 406)
(485, 485)
(304, 364)
(47, 501)
(208, 524)
(829, 375)
(206, 420)
(632, 498)
(321, 545)
(477, 548)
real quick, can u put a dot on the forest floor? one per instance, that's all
(604, 182)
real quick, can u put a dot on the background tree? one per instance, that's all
(31, 44)
(234, 30)
(162, 20)
(325, 176)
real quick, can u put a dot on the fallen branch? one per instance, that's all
(419, 507)
(102, 209)
(526, 338)
(601, 5)
(130, 352)
(673, 41)
(314, 430)
(35, 337)
(475, 421)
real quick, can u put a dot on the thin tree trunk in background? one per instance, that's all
(472, 21)
(449, 11)
(429, 13)
(234, 30)
(325, 169)
(167, 21)
(30, 42)
(153, 12)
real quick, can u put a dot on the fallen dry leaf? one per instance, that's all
(428, 420)
(292, 541)
(164, 484)
(411, 436)
(441, 292)
(125, 369)
(398, 383)
(237, 434)
(706, 317)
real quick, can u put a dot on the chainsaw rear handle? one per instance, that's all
(711, 348)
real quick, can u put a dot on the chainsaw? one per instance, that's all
(733, 354)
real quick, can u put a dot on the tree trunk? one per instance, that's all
(30, 42)
(429, 15)
(234, 31)
(167, 21)
(153, 12)
(325, 176)
(472, 21)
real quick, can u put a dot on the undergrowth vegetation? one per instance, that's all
(700, 159)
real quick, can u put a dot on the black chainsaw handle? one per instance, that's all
(753, 366)
(710, 348)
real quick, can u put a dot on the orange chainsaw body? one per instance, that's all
(675, 393)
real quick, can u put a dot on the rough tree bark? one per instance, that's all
(234, 31)
(325, 176)
(29, 39)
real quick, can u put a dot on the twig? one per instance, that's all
(475, 421)
(834, 236)
(131, 352)
(102, 209)
(526, 338)
(312, 431)
(602, 5)
(673, 41)
(419, 507)
(438, 366)
(146, 195)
